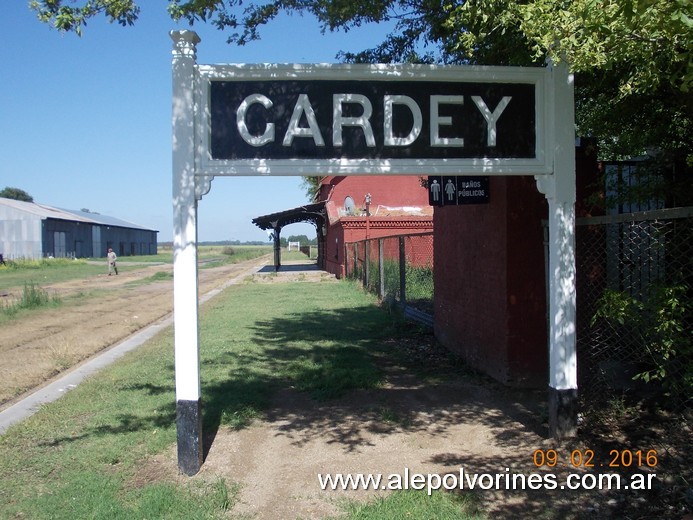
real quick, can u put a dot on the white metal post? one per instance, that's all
(559, 190)
(185, 287)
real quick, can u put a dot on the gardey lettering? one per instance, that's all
(303, 110)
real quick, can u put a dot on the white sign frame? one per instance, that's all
(538, 77)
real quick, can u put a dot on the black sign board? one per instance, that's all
(458, 190)
(351, 119)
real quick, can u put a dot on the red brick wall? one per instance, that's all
(419, 250)
(469, 277)
(526, 284)
(489, 282)
(386, 190)
(334, 251)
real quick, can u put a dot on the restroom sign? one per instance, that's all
(453, 190)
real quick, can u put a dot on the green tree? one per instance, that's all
(303, 239)
(16, 194)
(67, 17)
(648, 41)
(632, 58)
(310, 186)
(652, 37)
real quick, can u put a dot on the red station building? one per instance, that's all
(354, 208)
(366, 207)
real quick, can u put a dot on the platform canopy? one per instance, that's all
(314, 213)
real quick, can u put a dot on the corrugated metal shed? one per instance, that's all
(15, 207)
(30, 230)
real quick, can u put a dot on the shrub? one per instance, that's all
(32, 297)
(658, 328)
(30, 263)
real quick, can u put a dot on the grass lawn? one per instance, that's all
(78, 457)
(46, 271)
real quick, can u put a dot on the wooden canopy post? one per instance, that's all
(277, 246)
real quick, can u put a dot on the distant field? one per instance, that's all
(15, 274)
(205, 253)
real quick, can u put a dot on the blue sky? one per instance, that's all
(86, 122)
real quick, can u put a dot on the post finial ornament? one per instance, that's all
(185, 43)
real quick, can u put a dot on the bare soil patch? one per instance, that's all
(97, 312)
(412, 424)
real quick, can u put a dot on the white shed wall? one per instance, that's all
(20, 235)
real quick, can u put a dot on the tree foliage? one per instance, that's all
(72, 18)
(310, 186)
(303, 239)
(652, 38)
(658, 326)
(632, 58)
(16, 194)
(648, 42)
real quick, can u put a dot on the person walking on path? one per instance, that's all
(112, 262)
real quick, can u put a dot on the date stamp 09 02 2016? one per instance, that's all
(587, 458)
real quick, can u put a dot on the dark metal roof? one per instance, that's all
(43, 211)
(314, 213)
(105, 219)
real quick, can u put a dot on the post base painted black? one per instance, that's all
(189, 430)
(563, 412)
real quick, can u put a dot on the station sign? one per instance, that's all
(356, 120)
(362, 120)
(294, 119)
(450, 190)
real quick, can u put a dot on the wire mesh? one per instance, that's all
(634, 299)
(397, 268)
(634, 306)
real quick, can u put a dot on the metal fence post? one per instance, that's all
(366, 267)
(402, 274)
(381, 268)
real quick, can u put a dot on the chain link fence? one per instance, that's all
(635, 306)
(398, 269)
(634, 299)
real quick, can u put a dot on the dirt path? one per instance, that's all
(403, 427)
(96, 313)
(408, 426)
